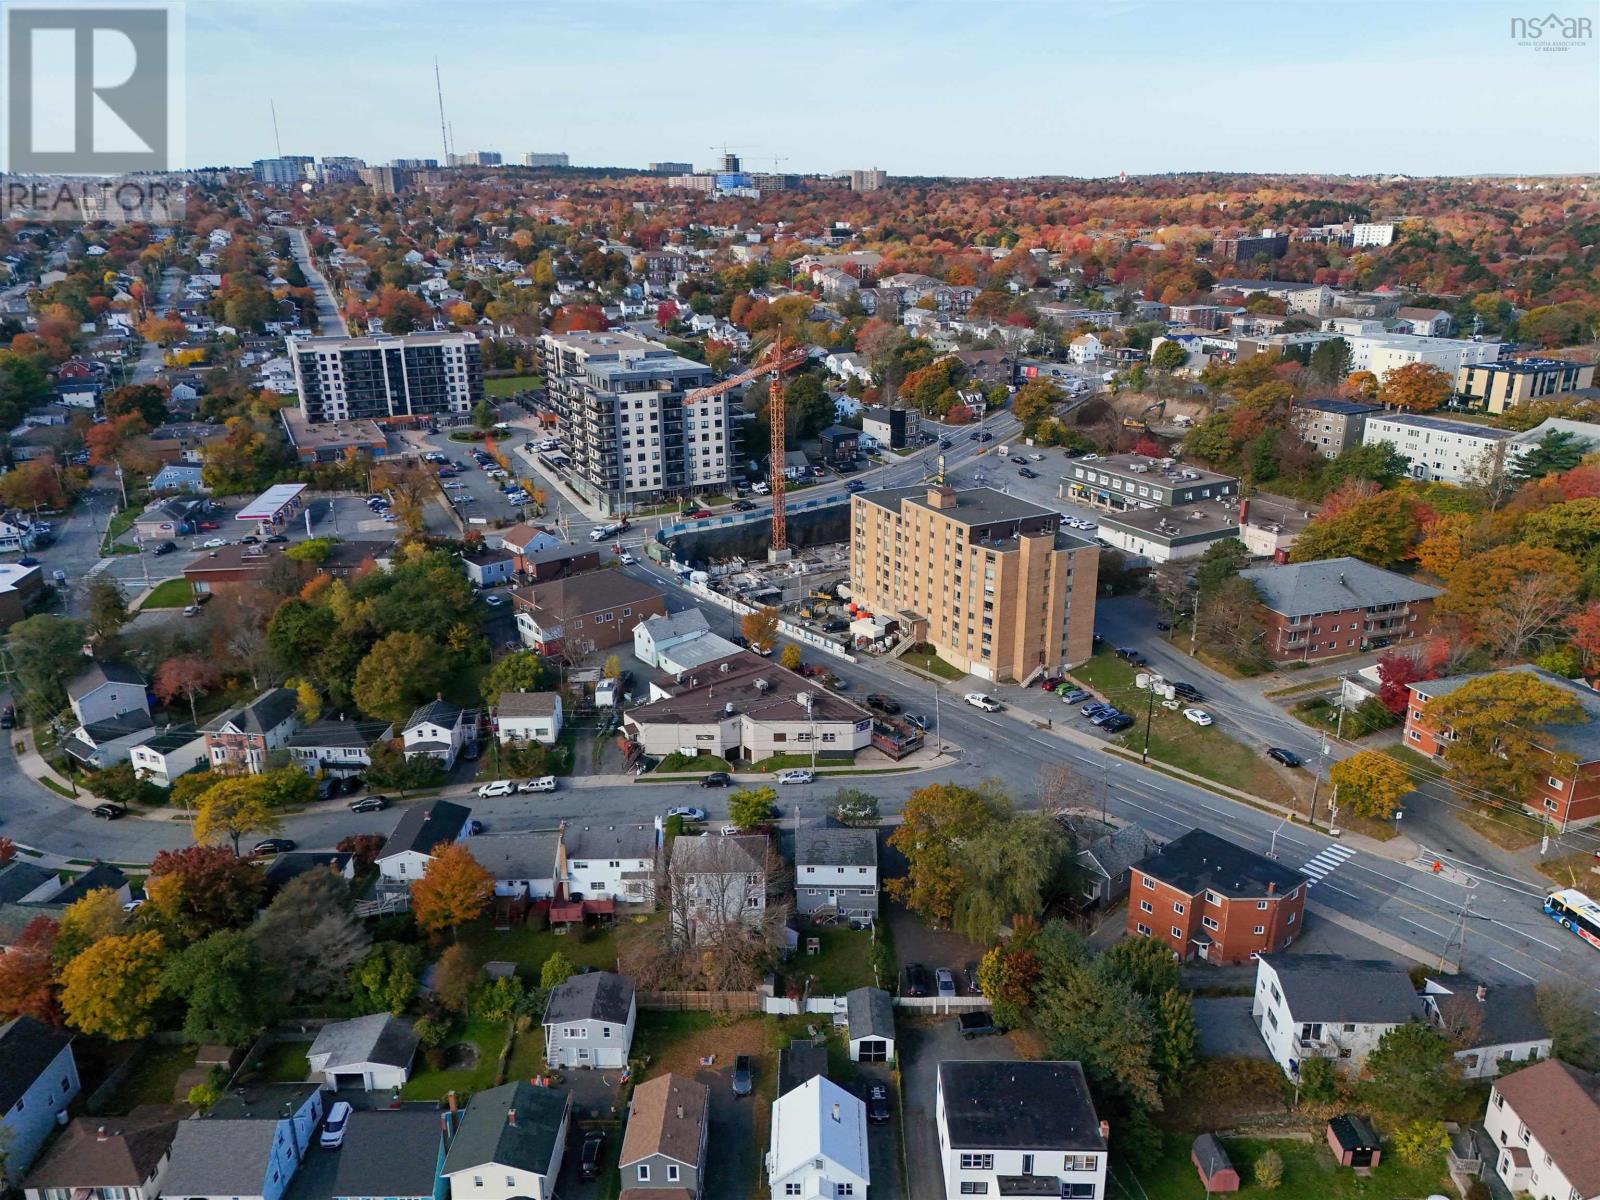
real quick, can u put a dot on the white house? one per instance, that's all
(422, 830)
(372, 1053)
(1441, 450)
(836, 872)
(720, 880)
(509, 1144)
(335, 746)
(818, 1144)
(528, 717)
(1544, 1119)
(588, 1021)
(439, 730)
(1324, 1006)
(38, 1080)
(1085, 348)
(610, 861)
(869, 1017)
(1498, 1027)
(173, 751)
(1018, 1129)
(524, 865)
(679, 642)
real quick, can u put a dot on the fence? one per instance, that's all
(785, 1006)
(943, 1004)
(788, 629)
(701, 1001)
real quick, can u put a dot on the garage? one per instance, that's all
(869, 1013)
(872, 1050)
(347, 1081)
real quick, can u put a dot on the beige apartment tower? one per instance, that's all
(989, 580)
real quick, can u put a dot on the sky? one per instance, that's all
(936, 87)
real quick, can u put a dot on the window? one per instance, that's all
(1146, 906)
(1290, 921)
(1260, 929)
(1209, 923)
(844, 1189)
(1177, 933)
(644, 1172)
(791, 1189)
(977, 1162)
(969, 1188)
(1261, 905)
(1148, 882)
(1080, 1162)
(1213, 898)
(672, 1172)
(1177, 907)
(1554, 782)
(1143, 929)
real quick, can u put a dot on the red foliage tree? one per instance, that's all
(1149, 447)
(666, 314)
(28, 974)
(570, 318)
(187, 675)
(1585, 629)
(363, 847)
(1400, 668)
(219, 889)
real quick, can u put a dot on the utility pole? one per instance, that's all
(1194, 621)
(1149, 718)
(1458, 930)
(1316, 780)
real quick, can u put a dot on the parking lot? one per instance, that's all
(992, 469)
(473, 493)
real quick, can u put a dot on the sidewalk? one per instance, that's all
(33, 765)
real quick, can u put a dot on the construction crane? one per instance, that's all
(774, 360)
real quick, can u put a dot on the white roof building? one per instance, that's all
(819, 1143)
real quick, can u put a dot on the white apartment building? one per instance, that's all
(1442, 450)
(616, 862)
(1543, 1120)
(1372, 234)
(387, 376)
(1382, 353)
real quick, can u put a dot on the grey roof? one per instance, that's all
(173, 737)
(1343, 408)
(596, 996)
(486, 1134)
(135, 720)
(1507, 1013)
(14, 918)
(1352, 1132)
(974, 506)
(98, 876)
(801, 1060)
(424, 827)
(334, 732)
(742, 853)
(835, 846)
(27, 1047)
(517, 855)
(389, 1153)
(1325, 987)
(612, 841)
(1209, 1155)
(1332, 585)
(869, 1012)
(97, 674)
(994, 1105)
(227, 1157)
(690, 620)
(260, 1101)
(267, 711)
(1582, 740)
(20, 878)
(527, 704)
(1200, 860)
(285, 867)
(1118, 850)
(1441, 425)
(379, 1038)
(435, 712)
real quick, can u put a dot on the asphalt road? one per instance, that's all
(330, 320)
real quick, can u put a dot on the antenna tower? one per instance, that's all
(444, 136)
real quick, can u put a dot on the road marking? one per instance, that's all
(1342, 892)
(1420, 925)
(1541, 941)
(1524, 974)
(1329, 860)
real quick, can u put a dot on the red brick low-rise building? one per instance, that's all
(577, 616)
(1565, 795)
(1338, 606)
(1210, 899)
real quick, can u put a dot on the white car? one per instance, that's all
(625, 558)
(796, 775)
(1198, 715)
(500, 787)
(337, 1124)
(979, 700)
(494, 601)
(213, 543)
(545, 783)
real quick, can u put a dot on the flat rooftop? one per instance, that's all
(330, 434)
(271, 502)
(378, 341)
(1184, 521)
(1150, 470)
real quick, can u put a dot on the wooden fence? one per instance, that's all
(701, 1001)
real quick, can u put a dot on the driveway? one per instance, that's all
(923, 1044)
(914, 942)
(1226, 1028)
(594, 1106)
(883, 1140)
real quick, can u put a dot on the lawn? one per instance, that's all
(1309, 1173)
(923, 658)
(151, 1079)
(783, 762)
(699, 764)
(1575, 870)
(510, 385)
(285, 1062)
(490, 1039)
(844, 963)
(527, 1054)
(528, 948)
(655, 1031)
(171, 593)
(119, 524)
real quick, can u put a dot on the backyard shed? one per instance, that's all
(869, 1013)
(1353, 1141)
(1217, 1171)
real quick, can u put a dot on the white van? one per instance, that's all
(761, 488)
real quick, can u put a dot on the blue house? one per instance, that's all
(38, 1079)
(178, 477)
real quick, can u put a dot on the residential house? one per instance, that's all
(836, 872)
(1322, 1006)
(440, 730)
(818, 1144)
(557, 562)
(588, 1021)
(522, 717)
(338, 746)
(167, 519)
(242, 738)
(38, 1080)
(869, 1018)
(1495, 1028)
(1208, 898)
(488, 568)
(186, 443)
(525, 866)
(1270, 525)
(1424, 322)
(106, 743)
(1085, 348)
(248, 1147)
(1542, 1119)
(717, 882)
(392, 1153)
(1332, 426)
(179, 477)
(1107, 863)
(1569, 794)
(509, 1144)
(1439, 449)
(18, 535)
(664, 1146)
(1019, 1129)
(98, 1157)
(679, 642)
(371, 1053)
(612, 861)
(576, 616)
(1338, 606)
(172, 751)
(285, 867)
(100, 876)
(105, 690)
(421, 831)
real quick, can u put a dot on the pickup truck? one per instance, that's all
(977, 1024)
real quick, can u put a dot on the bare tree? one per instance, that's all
(1531, 607)
(1064, 788)
(726, 906)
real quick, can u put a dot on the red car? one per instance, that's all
(699, 514)
(208, 526)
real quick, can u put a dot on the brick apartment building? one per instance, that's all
(991, 581)
(1565, 796)
(1338, 606)
(1209, 899)
(585, 613)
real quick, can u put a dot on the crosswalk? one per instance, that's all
(1325, 863)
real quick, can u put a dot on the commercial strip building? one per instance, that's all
(1338, 606)
(1499, 386)
(1122, 481)
(627, 420)
(387, 377)
(989, 580)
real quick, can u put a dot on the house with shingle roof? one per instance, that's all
(372, 1052)
(869, 1015)
(439, 730)
(422, 829)
(836, 872)
(522, 717)
(610, 861)
(818, 1144)
(664, 1146)
(1543, 1120)
(105, 690)
(1495, 1027)
(722, 881)
(241, 738)
(1338, 606)
(1107, 862)
(1323, 1006)
(393, 1153)
(38, 1080)
(588, 1021)
(509, 1143)
(97, 1156)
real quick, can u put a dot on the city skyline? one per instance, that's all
(874, 85)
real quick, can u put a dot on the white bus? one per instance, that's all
(1572, 909)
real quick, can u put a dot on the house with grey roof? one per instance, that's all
(421, 831)
(25, 882)
(241, 738)
(105, 690)
(1338, 606)
(509, 1143)
(615, 861)
(439, 730)
(588, 1021)
(1323, 1006)
(836, 872)
(110, 741)
(524, 865)
(171, 751)
(1107, 863)
(1495, 1027)
(370, 1053)
(717, 882)
(337, 745)
(522, 717)
(393, 1153)
(38, 1080)
(869, 1014)
(246, 1158)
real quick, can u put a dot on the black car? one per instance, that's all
(276, 538)
(717, 779)
(1118, 723)
(1028, 473)
(1187, 691)
(973, 436)
(475, 827)
(916, 980)
(273, 846)
(986, 437)
(1019, 460)
(743, 1082)
(877, 1104)
(977, 1024)
(369, 804)
(163, 548)
(1163, 627)
(945, 443)
(8, 717)
(743, 506)
(589, 1161)
(740, 640)
(327, 788)
(837, 625)
(352, 784)
(109, 812)
(1287, 757)
(884, 704)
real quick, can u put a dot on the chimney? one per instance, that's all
(511, 1117)
(451, 1097)
(1105, 1131)
(1244, 508)
(836, 1116)
(942, 496)
(100, 1134)
(1483, 993)
(1271, 887)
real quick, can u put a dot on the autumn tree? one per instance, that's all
(519, 671)
(1500, 743)
(453, 889)
(113, 988)
(200, 889)
(1445, 542)
(1379, 529)
(1399, 669)
(232, 807)
(28, 974)
(400, 672)
(1415, 387)
(91, 918)
(108, 608)
(791, 657)
(1370, 783)
(456, 974)
(188, 676)
(752, 806)
(937, 822)
(1014, 866)
(148, 401)
(1512, 595)
(1169, 356)
(760, 628)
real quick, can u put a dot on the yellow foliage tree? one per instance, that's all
(1370, 783)
(93, 918)
(233, 807)
(760, 628)
(111, 989)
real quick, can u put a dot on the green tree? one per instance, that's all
(1380, 462)
(851, 806)
(752, 806)
(484, 415)
(1413, 1072)
(1420, 1143)
(226, 986)
(386, 980)
(1370, 783)
(1108, 1027)
(456, 974)
(47, 651)
(1319, 1082)
(936, 823)
(1556, 453)
(1500, 740)
(1169, 356)
(1144, 964)
(1268, 1171)
(555, 970)
(521, 671)
(108, 608)
(1034, 403)
(1330, 361)
(1574, 1028)
(312, 550)
(1222, 560)
(400, 672)
(1013, 865)
(308, 936)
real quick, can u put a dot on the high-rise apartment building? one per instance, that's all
(868, 181)
(629, 422)
(671, 168)
(989, 580)
(534, 158)
(385, 181)
(289, 169)
(474, 158)
(387, 377)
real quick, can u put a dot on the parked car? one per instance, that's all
(687, 811)
(1073, 695)
(27, 560)
(699, 514)
(977, 1024)
(920, 721)
(336, 1125)
(1287, 757)
(500, 787)
(717, 779)
(743, 1082)
(916, 980)
(369, 804)
(1187, 691)
(8, 717)
(191, 610)
(589, 1160)
(273, 846)
(796, 775)
(494, 601)
(213, 543)
(1094, 708)
(979, 700)
(1118, 723)
(1108, 715)
(1197, 715)
(743, 506)
(625, 558)
(884, 704)
(877, 1104)
(945, 982)
(109, 812)
(544, 783)
(161, 548)
(475, 827)
(1028, 473)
